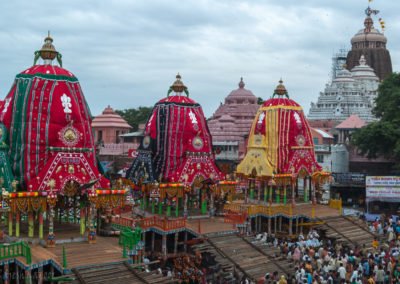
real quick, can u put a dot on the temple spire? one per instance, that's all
(241, 83)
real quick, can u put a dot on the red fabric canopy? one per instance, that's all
(46, 115)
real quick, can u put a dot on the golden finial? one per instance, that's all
(280, 89)
(48, 52)
(178, 86)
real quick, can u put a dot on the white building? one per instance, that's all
(351, 92)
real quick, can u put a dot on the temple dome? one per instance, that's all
(109, 118)
(241, 95)
(344, 76)
(373, 36)
(363, 71)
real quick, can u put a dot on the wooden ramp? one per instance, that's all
(273, 253)
(226, 265)
(106, 250)
(209, 225)
(250, 261)
(350, 231)
(114, 273)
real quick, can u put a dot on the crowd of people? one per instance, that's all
(321, 260)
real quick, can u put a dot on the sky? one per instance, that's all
(126, 53)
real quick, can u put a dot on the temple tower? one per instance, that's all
(371, 43)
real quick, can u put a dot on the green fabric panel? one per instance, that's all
(19, 126)
(5, 171)
(48, 76)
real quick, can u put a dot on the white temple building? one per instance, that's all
(351, 92)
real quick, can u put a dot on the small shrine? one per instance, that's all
(49, 171)
(175, 165)
(280, 153)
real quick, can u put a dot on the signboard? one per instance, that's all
(349, 178)
(132, 153)
(383, 181)
(383, 187)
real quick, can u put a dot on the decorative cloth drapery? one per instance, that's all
(280, 141)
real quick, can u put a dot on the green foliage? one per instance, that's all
(383, 137)
(260, 100)
(135, 116)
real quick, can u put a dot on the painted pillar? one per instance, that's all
(284, 195)
(185, 241)
(259, 192)
(6, 274)
(153, 237)
(212, 211)
(203, 202)
(164, 245)
(297, 225)
(301, 227)
(92, 231)
(275, 224)
(185, 205)
(280, 224)
(177, 207)
(17, 277)
(252, 185)
(314, 199)
(31, 224)
(17, 223)
(269, 225)
(168, 209)
(305, 185)
(265, 191)
(68, 210)
(270, 195)
(51, 271)
(10, 224)
(28, 276)
(176, 243)
(293, 193)
(278, 195)
(256, 224)
(40, 275)
(40, 217)
(159, 206)
(290, 226)
(74, 210)
(153, 209)
(51, 238)
(82, 220)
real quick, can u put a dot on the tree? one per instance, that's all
(260, 100)
(383, 137)
(135, 116)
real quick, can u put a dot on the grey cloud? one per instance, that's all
(126, 53)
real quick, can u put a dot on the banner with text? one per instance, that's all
(385, 188)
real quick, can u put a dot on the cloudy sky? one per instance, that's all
(126, 53)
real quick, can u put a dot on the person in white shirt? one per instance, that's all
(342, 272)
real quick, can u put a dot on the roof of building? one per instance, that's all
(323, 133)
(133, 134)
(232, 120)
(352, 122)
(109, 118)
(241, 95)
